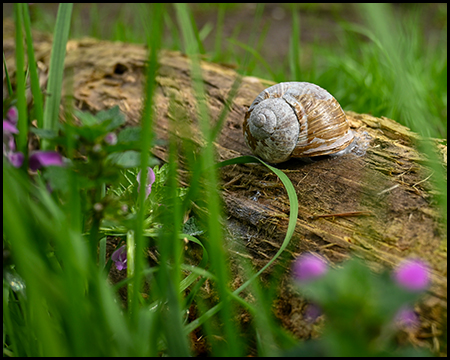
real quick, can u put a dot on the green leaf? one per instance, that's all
(130, 135)
(45, 133)
(113, 117)
(191, 227)
(129, 159)
(86, 118)
(58, 178)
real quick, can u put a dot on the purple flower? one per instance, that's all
(406, 318)
(312, 312)
(45, 158)
(309, 267)
(111, 138)
(9, 144)
(412, 275)
(9, 128)
(15, 158)
(12, 115)
(120, 257)
(150, 181)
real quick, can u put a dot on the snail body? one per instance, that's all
(295, 119)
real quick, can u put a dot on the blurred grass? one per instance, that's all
(213, 222)
(56, 72)
(332, 45)
(20, 81)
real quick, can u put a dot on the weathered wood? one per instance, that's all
(385, 193)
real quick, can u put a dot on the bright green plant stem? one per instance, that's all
(131, 250)
(34, 78)
(154, 43)
(213, 220)
(55, 77)
(20, 79)
(294, 45)
(8, 80)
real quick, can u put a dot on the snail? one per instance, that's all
(295, 119)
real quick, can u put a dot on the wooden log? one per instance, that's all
(377, 206)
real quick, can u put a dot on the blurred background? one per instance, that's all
(336, 46)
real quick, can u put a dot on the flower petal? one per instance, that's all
(412, 275)
(406, 318)
(12, 115)
(16, 159)
(45, 158)
(9, 128)
(111, 138)
(120, 258)
(309, 267)
(150, 180)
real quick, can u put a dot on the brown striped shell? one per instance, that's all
(295, 119)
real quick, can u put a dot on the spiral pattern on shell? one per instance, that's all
(295, 119)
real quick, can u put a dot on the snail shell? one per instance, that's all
(295, 119)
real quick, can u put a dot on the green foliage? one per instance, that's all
(55, 76)
(360, 309)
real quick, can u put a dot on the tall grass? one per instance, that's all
(21, 98)
(54, 87)
(356, 68)
(57, 300)
(410, 87)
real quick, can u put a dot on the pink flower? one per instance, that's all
(406, 318)
(45, 158)
(12, 115)
(309, 267)
(15, 158)
(312, 312)
(111, 138)
(150, 180)
(120, 257)
(412, 275)
(9, 128)
(9, 144)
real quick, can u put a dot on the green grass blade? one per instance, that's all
(293, 201)
(20, 81)
(294, 45)
(213, 221)
(252, 51)
(34, 78)
(8, 80)
(154, 43)
(293, 214)
(219, 33)
(407, 93)
(56, 72)
(131, 251)
(226, 108)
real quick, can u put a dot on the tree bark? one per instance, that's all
(377, 206)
